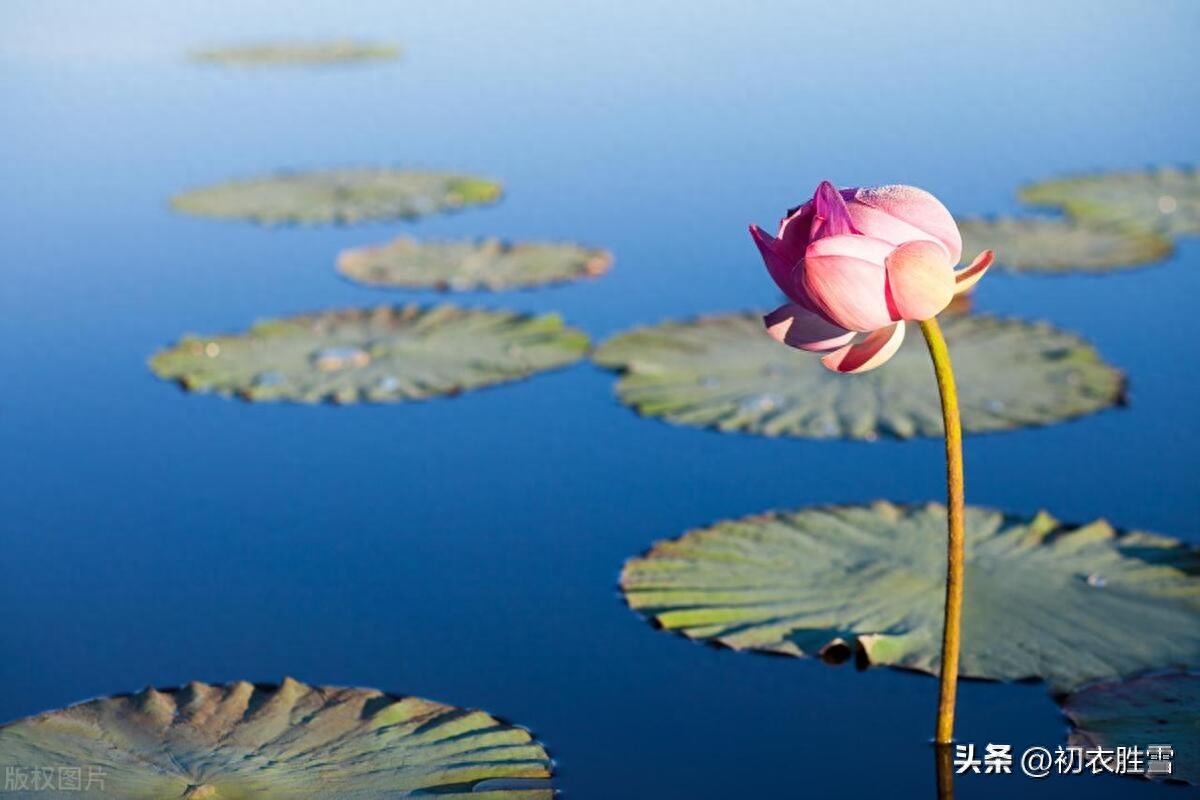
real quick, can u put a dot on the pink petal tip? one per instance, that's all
(875, 349)
(968, 276)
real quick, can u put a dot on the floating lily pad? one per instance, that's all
(725, 372)
(338, 196)
(1040, 244)
(1148, 710)
(488, 264)
(338, 51)
(241, 741)
(377, 355)
(1043, 600)
(1165, 199)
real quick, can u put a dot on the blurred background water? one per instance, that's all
(467, 550)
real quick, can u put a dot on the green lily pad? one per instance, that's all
(1147, 710)
(1040, 244)
(487, 264)
(376, 355)
(1067, 604)
(1166, 199)
(337, 51)
(338, 196)
(242, 741)
(725, 372)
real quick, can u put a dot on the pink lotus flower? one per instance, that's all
(858, 263)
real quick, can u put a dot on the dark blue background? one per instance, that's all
(467, 550)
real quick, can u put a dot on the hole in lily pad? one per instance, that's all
(336, 51)
(1165, 199)
(869, 581)
(240, 740)
(461, 266)
(381, 354)
(1143, 711)
(725, 372)
(338, 196)
(1037, 244)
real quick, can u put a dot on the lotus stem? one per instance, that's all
(956, 540)
(944, 771)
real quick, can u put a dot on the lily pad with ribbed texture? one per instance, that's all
(725, 372)
(1147, 710)
(337, 51)
(241, 741)
(1067, 604)
(338, 196)
(1044, 245)
(1166, 199)
(378, 355)
(488, 264)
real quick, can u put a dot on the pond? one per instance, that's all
(468, 549)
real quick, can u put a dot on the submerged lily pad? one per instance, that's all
(374, 355)
(725, 372)
(336, 51)
(1045, 600)
(488, 264)
(1041, 244)
(1166, 199)
(240, 740)
(338, 196)
(1148, 710)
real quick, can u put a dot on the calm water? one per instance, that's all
(467, 550)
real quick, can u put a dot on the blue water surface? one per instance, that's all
(467, 550)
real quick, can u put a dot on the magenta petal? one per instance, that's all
(796, 326)
(875, 349)
(794, 230)
(784, 270)
(830, 215)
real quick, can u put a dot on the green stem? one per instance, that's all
(956, 545)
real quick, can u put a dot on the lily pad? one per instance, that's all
(487, 264)
(241, 741)
(1147, 710)
(1040, 244)
(375, 355)
(725, 372)
(338, 196)
(1166, 199)
(337, 51)
(1067, 604)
